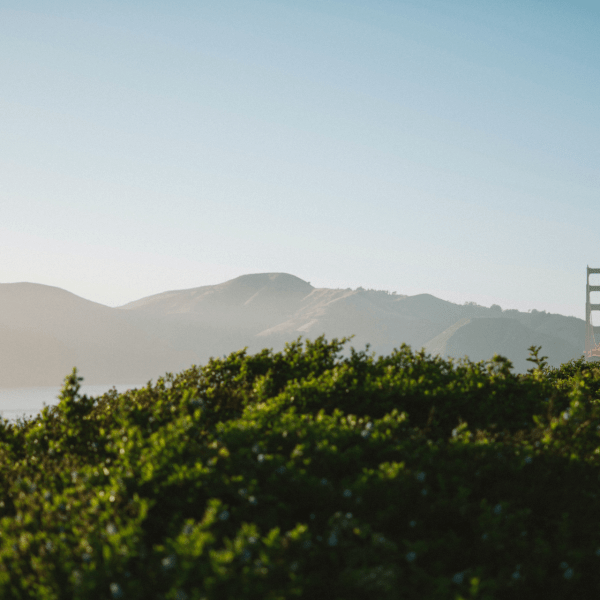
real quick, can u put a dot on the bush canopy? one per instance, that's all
(314, 472)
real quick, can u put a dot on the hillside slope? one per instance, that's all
(270, 309)
(480, 338)
(46, 331)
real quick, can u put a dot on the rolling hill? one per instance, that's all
(45, 331)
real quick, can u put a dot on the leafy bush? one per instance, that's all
(309, 474)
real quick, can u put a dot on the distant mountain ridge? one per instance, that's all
(45, 331)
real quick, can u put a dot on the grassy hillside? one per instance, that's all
(269, 309)
(480, 337)
(309, 474)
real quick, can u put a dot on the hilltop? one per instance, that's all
(269, 309)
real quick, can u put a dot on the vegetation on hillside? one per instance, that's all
(310, 473)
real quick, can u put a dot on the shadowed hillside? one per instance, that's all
(46, 331)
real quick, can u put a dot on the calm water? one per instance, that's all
(25, 402)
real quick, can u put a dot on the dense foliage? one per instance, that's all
(310, 473)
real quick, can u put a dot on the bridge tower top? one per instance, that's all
(592, 349)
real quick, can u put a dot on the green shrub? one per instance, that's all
(310, 474)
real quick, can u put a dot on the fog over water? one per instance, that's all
(28, 401)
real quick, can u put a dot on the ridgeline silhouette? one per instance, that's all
(45, 331)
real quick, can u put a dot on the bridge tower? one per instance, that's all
(592, 349)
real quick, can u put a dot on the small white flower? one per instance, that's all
(528, 460)
(224, 515)
(458, 578)
(421, 476)
(411, 556)
(115, 590)
(332, 541)
(347, 494)
(568, 574)
(497, 509)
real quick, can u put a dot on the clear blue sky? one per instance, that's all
(418, 146)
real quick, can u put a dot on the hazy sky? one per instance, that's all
(418, 146)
